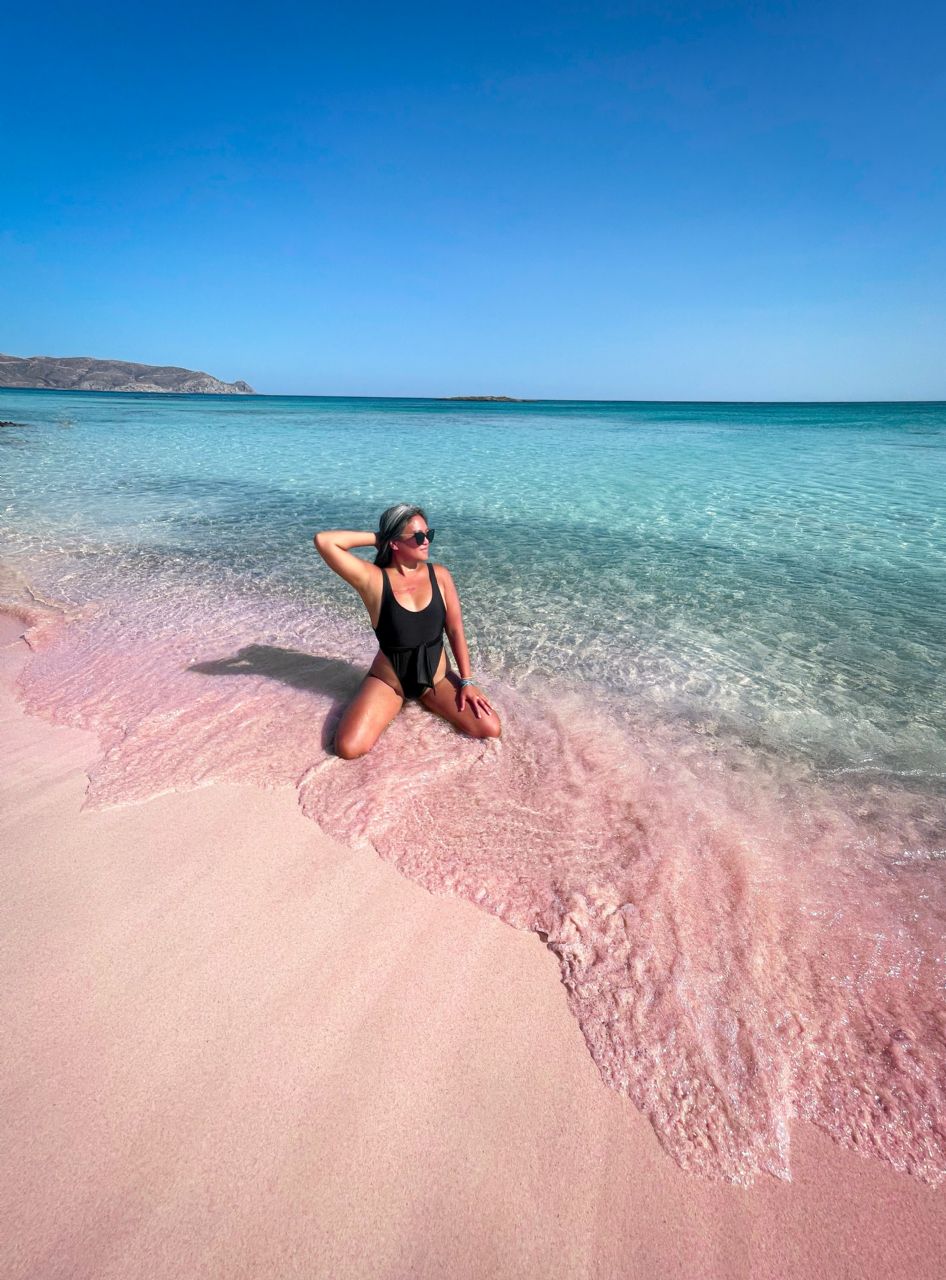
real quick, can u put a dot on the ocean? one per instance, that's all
(715, 635)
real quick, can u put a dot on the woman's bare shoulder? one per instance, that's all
(448, 588)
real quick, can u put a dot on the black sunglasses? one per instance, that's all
(420, 537)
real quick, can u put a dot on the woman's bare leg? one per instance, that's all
(442, 701)
(366, 717)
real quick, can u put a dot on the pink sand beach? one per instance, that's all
(236, 1048)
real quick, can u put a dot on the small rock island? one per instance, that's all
(85, 373)
(488, 399)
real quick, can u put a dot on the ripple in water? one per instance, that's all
(741, 943)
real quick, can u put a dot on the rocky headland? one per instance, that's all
(84, 373)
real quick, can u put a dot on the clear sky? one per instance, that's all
(614, 201)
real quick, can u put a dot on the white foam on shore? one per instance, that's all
(740, 943)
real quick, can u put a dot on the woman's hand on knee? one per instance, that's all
(469, 696)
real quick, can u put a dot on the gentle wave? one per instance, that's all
(741, 942)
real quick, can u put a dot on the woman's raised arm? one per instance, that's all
(333, 546)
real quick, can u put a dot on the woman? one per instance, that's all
(409, 601)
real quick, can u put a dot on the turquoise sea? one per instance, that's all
(716, 636)
(779, 570)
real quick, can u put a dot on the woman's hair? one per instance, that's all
(390, 525)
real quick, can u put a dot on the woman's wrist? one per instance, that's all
(465, 680)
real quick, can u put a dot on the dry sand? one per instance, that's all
(235, 1048)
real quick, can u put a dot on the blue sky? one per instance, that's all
(615, 201)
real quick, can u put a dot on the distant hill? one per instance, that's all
(84, 373)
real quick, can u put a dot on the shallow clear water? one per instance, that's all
(777, 570)
(715, 635)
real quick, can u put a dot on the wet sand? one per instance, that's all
(234, 1047)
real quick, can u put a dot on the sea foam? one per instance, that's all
(741, 941)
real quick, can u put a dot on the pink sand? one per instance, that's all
(742, 941)
(233, 1047)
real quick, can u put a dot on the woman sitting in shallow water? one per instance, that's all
(409, 601)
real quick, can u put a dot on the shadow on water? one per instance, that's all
(334, 677)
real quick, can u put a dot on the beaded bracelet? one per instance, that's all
(464, 683)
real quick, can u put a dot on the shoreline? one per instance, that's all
(658, 875)
(241, 1048)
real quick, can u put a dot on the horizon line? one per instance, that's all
(482, 403)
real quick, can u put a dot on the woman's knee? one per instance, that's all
(351, 745)
(488, 727)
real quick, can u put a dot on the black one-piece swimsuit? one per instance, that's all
(413, 642)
